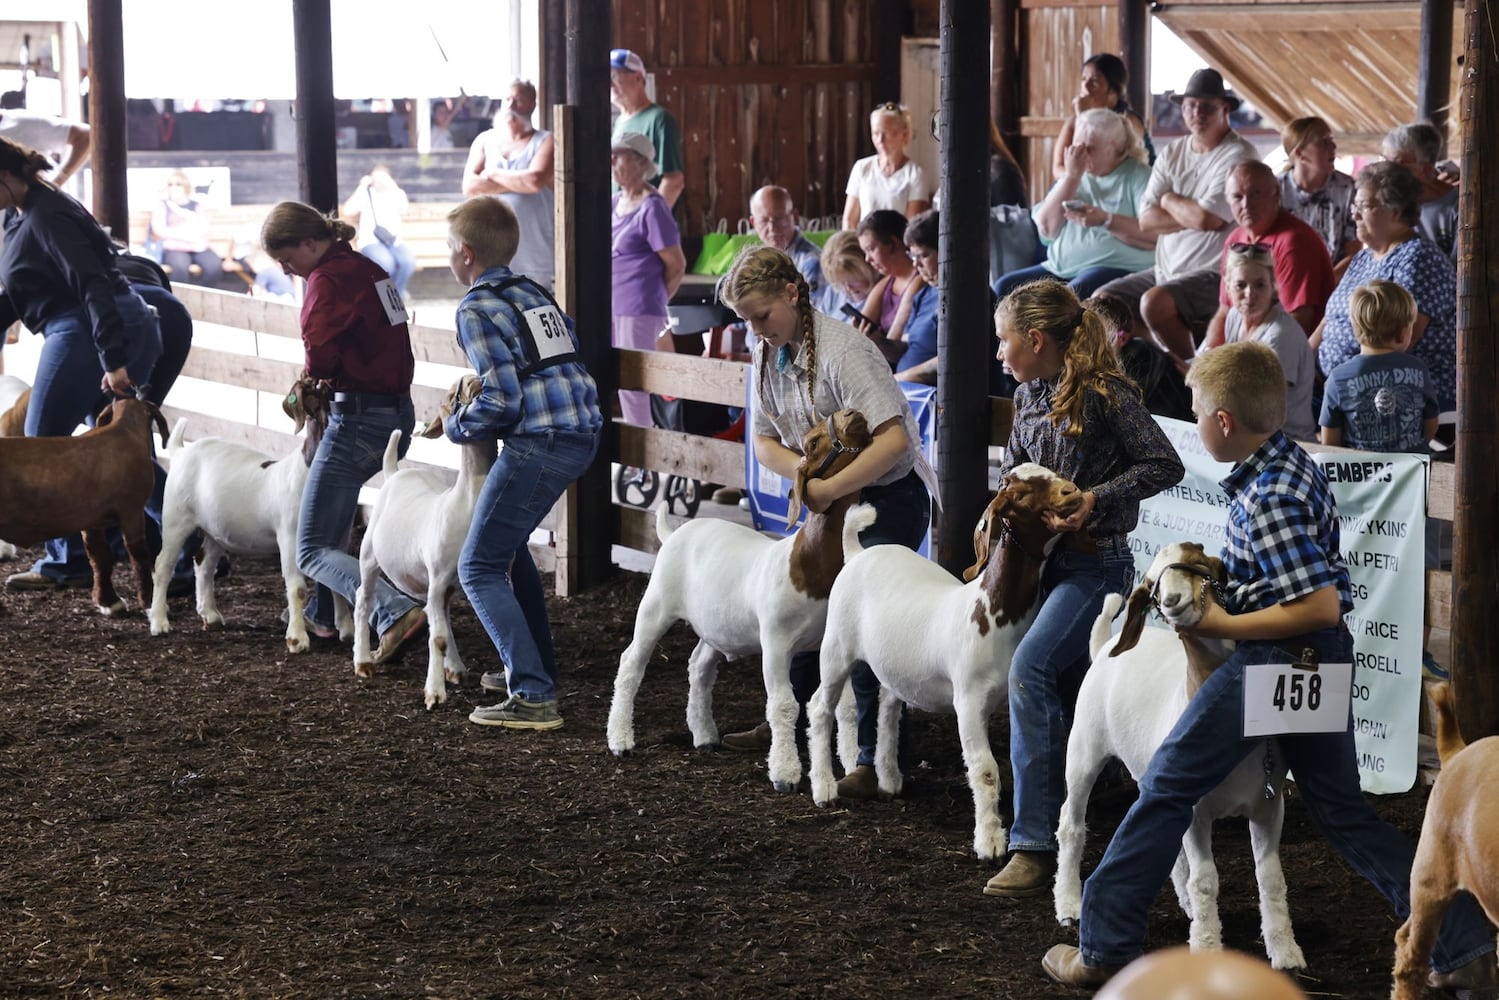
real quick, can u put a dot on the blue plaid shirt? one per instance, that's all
(1282, 541)
(561, 397)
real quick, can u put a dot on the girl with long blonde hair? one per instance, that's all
(1077, 414)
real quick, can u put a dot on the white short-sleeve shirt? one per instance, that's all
(875, 190)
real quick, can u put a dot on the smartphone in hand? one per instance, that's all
(1074, 205)
(858, 319)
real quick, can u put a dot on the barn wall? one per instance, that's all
(766, 91)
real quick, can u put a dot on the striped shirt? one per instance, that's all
(1282, 541)
(1122, 455)
(561, 397)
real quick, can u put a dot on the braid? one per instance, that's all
(809, 336)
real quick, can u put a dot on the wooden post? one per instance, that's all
(1005, 80)
(588, 33)
(568, 536)
(964, 327)
(1434, 73)
(552, 87)
(106, 95)
(1475, 557)
(888, 31)
(1134, 44)
(317, 144)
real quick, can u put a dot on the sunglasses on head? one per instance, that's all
(1257, 252)
(891, 106)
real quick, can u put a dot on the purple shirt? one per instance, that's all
(639, 272)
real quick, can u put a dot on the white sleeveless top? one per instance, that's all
(535, 256)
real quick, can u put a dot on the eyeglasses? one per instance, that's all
(1362, 207)
(917, 256)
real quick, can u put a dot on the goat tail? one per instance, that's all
(1444, 709)
(664, 530)
(392, 453)
(1102, 625)
(859, 517)
(178, 438)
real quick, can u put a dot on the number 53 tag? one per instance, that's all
(1281, 698)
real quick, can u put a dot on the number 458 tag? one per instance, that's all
(1281, 698)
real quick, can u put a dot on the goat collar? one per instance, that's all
(1209, 582)
(1008, 534)
(839, 448)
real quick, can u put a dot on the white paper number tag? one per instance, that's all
(395, 306)
(548, 332)
(1280, 698)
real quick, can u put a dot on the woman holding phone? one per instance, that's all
(1088, 219)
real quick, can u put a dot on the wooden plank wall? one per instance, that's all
(766, 91)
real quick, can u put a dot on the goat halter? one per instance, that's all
(839, 448)
(1209, 582)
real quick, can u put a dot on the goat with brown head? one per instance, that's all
(826, 450)
(1179, 584)
(308, 405)
(462, 392)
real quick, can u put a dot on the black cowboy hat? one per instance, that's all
(1206, 83)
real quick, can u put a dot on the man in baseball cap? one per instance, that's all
(638, 113)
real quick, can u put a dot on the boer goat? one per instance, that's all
(745, 594)
(934, 642)
(245, 503)
(415, 535)
(1130, 700)
(1459, 847)
(53, 486)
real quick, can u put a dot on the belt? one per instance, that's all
(358, 402)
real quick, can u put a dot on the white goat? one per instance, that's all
(245, 503)
(936, 643)
(1459, 848)
(415, 536)
(744, 593)
(1129, 702)
(15, 394)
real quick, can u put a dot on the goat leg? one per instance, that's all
(133, 528)
(103, 562)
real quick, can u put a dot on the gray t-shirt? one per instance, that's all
(1282, 334)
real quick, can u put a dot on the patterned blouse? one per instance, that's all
(1122, 455)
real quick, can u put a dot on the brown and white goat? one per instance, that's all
(744, 594)
(246, 503)
(936, 643)
(54, 486)
(15, 397)
(1130, 699)
(1459, 847)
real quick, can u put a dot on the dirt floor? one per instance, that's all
(201, 814)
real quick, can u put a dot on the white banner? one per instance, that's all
(1382, 509)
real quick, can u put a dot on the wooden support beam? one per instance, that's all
(317, 147)
(1134, 45)
(1006, 73)
(106, 59)
(964, 324)
(1475, 563)
(1434, 73)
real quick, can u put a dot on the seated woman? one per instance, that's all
(375, 209)
(181, 224)
(882, 238)
(847, 276)
(1315, 191)
(1386, 208)
(889, 179)
(1249, 277)
(1088, 218)
(1105, 79)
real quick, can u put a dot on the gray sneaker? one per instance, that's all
(494, 680)
(518, 713)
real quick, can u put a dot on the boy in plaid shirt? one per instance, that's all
(537, 397)
(1288, 592)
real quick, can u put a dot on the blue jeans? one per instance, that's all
(66, 393)
(1047, 664)
(496, 568)
(352, 450)
(398, 261)
(1201, 750)
(905, 513)
(1087, 281)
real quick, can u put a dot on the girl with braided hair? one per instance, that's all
(1079, 415)
(806, 367)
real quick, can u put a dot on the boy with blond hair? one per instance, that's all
(1285, 599)
(1382, 399)
(538, 398)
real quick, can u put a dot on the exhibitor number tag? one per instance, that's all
(1281, 698)
(391, 301)
(548, 333)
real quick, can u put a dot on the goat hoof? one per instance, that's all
(708, 748)
(295, 646)
(365, 670)
(115, 610)
(1068, 921)
(623, 752)
(213, 624)
(784, 787)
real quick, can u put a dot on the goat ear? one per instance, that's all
(798, 490)
(293, 406)
(982, 539)
(433, 429)
(1134, 620)
(106, 415)
(1219, 571)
